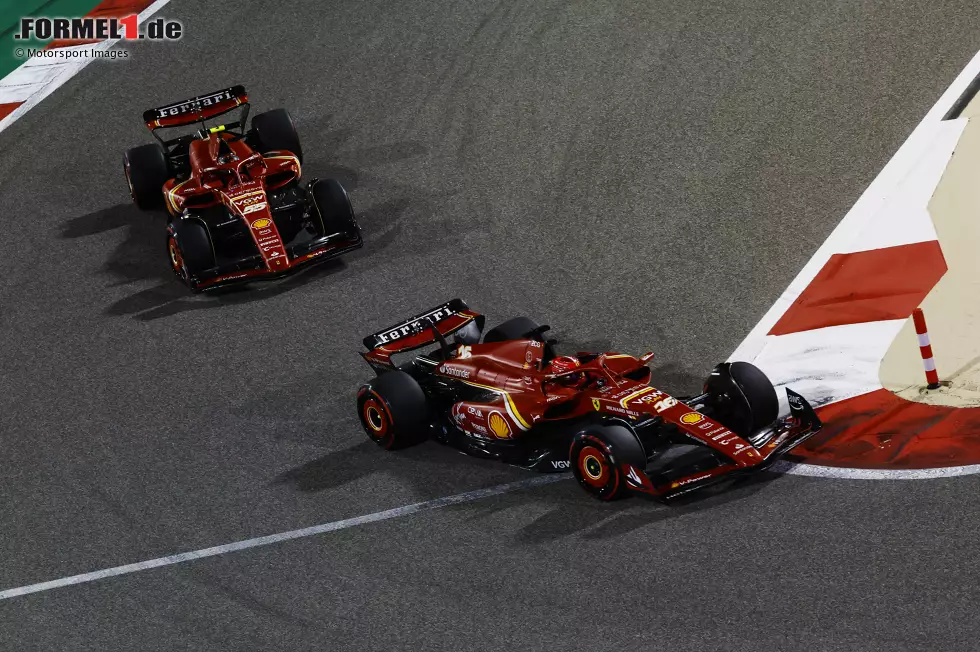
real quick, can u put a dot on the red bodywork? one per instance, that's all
(526, 393)
(225, 170)
(240, 185)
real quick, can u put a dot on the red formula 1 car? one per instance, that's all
(238, 211)
(512, 398)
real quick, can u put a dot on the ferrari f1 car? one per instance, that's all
(237, 209)
(513, 398)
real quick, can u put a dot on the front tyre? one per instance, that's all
(393, 410)
(597, 455)
(146, 171)
(745, 397)
(332, 211)
(190, 251)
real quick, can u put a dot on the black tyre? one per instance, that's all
(393, 409)
(596, 456)
(746, 397)
(332, 211)
(513, 329)
(275, 131)
(146, 169)
(190, 251)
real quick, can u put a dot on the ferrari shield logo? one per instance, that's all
(595, 404)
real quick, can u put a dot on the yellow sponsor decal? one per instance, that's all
(498, 425)
(261, 224)
(691, 418)
(595, 404)
(215, 130)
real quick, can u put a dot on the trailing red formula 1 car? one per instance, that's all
(512, 398)
(238, 211)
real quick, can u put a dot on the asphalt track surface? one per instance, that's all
(640, 175)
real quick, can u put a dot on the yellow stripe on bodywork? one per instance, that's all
(509, 403)
(172, 194)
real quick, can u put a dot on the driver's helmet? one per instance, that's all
(225, 154)
(227, 157)
(563, 364)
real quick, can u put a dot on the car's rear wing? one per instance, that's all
(431, 326)
(417, 331)
(197, 109)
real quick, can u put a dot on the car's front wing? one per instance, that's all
(300, 256)
(785, 435)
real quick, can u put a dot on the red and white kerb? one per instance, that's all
(925, 348)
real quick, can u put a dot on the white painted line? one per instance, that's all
(815, 471)
(333, 526)
(38, 77)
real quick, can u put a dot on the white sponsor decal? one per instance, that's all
(454, 371)
(253, 208)
(414, 326)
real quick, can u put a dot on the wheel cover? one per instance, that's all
(594, 467)
(176, 259)
(375, 418)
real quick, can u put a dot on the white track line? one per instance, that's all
(333, 526)
(816, 471)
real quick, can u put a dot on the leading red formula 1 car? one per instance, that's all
(238, 211)
(512, 398)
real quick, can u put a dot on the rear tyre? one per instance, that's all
(748, 401)
(597, 455)
(146, 169)
(393, 410)
(513, 329)
(332, 210)
(275, 131)
(190, 251)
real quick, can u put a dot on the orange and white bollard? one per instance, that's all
(925, 348)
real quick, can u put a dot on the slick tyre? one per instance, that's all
(748, 398)
(146, 171)
(597, 455)
(332, 211)
(275, 131)
(393, 410)
(190, 251)
(512, 329)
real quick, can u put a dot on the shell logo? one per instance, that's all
(498, 425)
(691, 418)
(261, 224)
